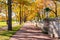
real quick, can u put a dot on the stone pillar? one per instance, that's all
(53, 29)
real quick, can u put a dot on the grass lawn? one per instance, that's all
(5, 35)
(13, 22)
(3, 24)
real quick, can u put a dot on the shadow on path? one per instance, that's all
(29, 33)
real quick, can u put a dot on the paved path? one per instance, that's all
(29, 32)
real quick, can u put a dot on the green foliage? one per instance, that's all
(47, 9)
(36, 14)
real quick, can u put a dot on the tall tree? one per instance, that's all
(22, 3)
(9, 15)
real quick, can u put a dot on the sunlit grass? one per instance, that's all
(5, 35)
(4, 24)
(13, 22)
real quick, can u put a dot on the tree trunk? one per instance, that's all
(25, 18)
(9, 15)
(38, 17)
(20, 14)
(55, 8)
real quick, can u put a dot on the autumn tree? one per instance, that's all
(22, 3)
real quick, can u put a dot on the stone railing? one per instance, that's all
(53, 27)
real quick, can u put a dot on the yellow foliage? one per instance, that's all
(51, 14)
(58, 11)
(31, 16)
